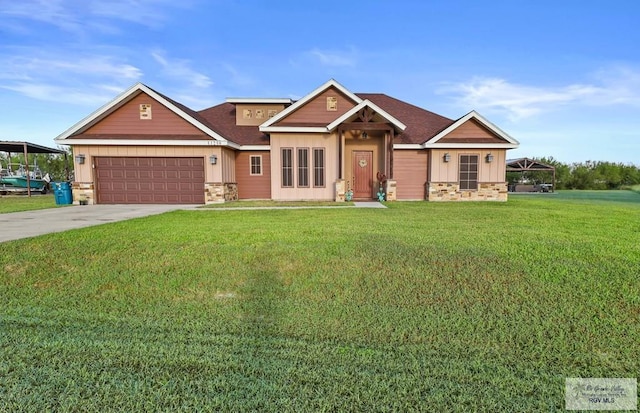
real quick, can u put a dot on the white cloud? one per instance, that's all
(81, 17)
(612, 86)
(238, 78)
(56, 77)
(188, 86)
(61, 94)
(180, 69)
(54, 12)
(334, 58)
(144, 12)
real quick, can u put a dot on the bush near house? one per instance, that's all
(419, 307)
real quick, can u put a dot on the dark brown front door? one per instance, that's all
(362, 174)
(124, 180)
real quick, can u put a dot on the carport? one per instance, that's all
(524, 165)
(26, 148)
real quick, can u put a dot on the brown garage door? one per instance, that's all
(124, 180)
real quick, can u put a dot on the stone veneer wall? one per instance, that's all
(390, 190)
(82, 190)
(341, 188)
(218, 192)
(450, 191)
(230, 191)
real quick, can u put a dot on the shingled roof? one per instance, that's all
(222, 119)
(421, 124)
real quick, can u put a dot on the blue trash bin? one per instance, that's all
(62, 192)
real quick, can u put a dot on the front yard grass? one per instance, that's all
(418, 307)
(17, 203)
(277, 204)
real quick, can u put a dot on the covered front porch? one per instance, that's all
(365, 152)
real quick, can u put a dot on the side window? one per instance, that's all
(287, 167)
(318, 167)
(255, 162)
(303, 167)
(468, 175)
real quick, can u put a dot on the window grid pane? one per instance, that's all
(287, 167)
(303, 167)
(468, 174)
(318, 167)
(256, 164)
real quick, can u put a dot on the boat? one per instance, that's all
(15, 178)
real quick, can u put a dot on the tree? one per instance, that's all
(56, 165)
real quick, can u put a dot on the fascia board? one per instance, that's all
(470, 145)
(145, 142)
(98, 112)
(307, 98)
(407, 146)
(473, 115)
(359, 107)
(125, 96)
(299, 129)
(285, 101)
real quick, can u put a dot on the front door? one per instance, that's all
(362, 174)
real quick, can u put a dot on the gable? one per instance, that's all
(128, 120)
(316, 111)
(472, 131)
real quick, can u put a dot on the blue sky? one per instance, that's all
(562, 77)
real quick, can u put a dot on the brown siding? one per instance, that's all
(126, 121)
(315, 111)
(410, 173)
(252, 186)
(471, 132)
(254, 119)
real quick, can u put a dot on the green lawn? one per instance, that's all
(418, 307)
(16, 203)
(277, 204)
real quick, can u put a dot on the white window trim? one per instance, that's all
(251, 165)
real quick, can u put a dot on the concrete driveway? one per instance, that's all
(27, 224)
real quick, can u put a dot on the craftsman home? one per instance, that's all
(332, 144)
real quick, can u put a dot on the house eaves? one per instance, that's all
(366, 103)
(510, 142)
(119, 101)
(331, 83)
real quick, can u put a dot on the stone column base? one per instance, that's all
(82, 191)
(341, 188)
(390, 190)
(230, 191)
(214, 193)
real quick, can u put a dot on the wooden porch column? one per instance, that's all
(391, 136)
(340, 133)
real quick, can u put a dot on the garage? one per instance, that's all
(149, 180)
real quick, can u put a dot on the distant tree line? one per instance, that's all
(581, 175)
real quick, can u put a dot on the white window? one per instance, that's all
(255, 165)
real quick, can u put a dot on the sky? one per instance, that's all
(561, 77)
